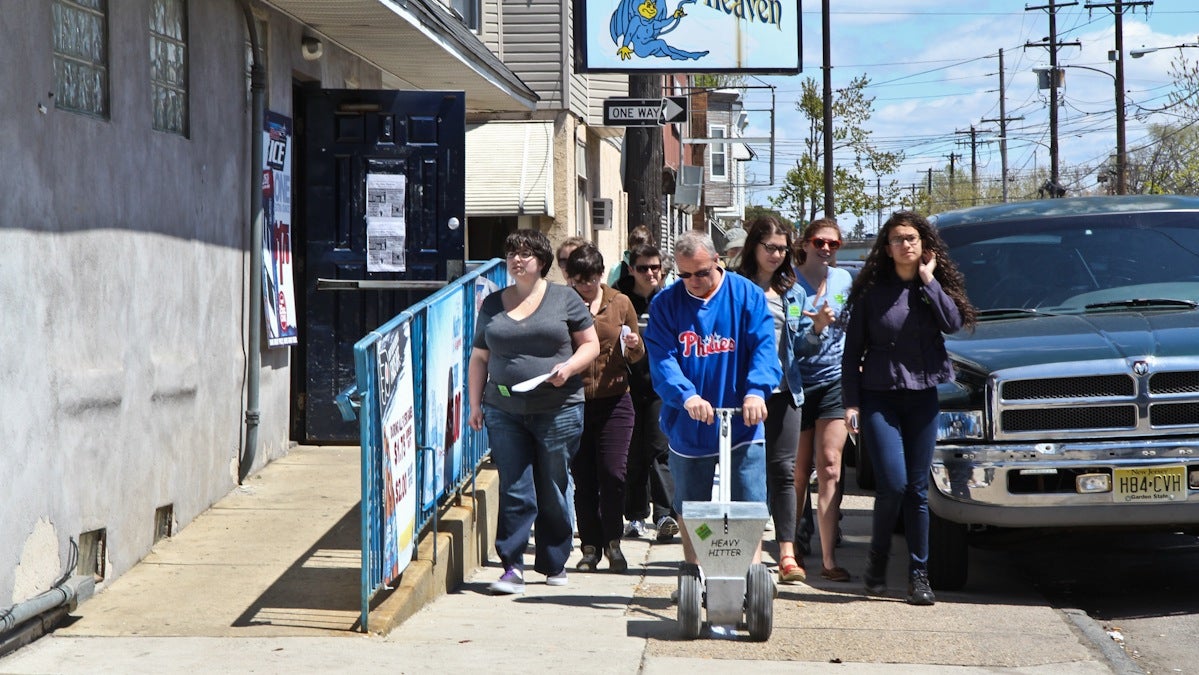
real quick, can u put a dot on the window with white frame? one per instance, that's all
(81, 56)
(718, 167)
(168, 65)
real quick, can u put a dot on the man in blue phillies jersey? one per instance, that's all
(711, 345)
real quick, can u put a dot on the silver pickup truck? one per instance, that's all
(1076, 399)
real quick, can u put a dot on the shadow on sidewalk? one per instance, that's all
(319, 590)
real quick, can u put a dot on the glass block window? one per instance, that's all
(81, 56)
(168, 64)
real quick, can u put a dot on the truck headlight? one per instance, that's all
(957, 424)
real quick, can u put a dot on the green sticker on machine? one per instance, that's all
(703, 531)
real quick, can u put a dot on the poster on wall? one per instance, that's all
(278, 287)
(394, 358)
(386, 229)
(443, 393)
(688, 36)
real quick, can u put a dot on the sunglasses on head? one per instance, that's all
(821, 242)
(647, 268)
(702, 274)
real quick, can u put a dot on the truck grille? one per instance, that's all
(1097, 405)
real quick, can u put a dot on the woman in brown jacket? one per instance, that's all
(599, 466)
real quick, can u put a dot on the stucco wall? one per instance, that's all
(123, 282)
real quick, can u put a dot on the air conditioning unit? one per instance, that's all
(601, 213)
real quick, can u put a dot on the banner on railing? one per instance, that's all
(443, 393)
(399, 443)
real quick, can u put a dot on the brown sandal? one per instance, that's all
(835, 574)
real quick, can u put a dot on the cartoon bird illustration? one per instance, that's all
(637, 27)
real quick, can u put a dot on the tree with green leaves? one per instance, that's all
(754, 211)
(1168, 162)
(802, 193)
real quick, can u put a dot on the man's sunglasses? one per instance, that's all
(647, 268)
(702, 274)
(821, 242)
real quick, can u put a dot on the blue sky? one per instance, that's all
(934, 70)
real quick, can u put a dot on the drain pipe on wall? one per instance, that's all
(254, 330)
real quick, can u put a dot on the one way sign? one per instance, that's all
(644, 112)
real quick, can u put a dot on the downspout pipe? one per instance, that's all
(255, 319)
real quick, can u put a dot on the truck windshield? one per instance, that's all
(1066, 264)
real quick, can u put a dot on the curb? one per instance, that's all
(1119, 660)
(466, 532)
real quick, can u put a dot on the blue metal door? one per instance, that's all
(347, 138)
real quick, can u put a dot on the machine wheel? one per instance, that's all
(691, 595)
(948, 553)
(759, 602)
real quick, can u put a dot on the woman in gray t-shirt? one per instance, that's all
(531, 329)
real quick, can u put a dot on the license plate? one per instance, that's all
(1150, 484)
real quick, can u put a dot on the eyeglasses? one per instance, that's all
(702, 274)
(910, 240)
(646, 269)
(775, 248)
(579, 281)
(562, 261)
(526, 254)
(821, 242)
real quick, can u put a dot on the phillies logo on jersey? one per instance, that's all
(694, 345)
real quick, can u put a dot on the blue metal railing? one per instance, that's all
(363, 399)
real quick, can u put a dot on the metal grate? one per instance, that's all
(1091, 386)
(1064, 419)
(1174, 383)
(1174, 414)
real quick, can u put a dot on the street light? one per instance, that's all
(1121, 149)
(1138, 53)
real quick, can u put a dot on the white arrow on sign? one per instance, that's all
(670, 110)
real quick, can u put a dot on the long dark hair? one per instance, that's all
(761, 228)
(879, 265)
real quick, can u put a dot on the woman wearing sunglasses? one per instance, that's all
(766, 261)
(907, 296)
(822, 430)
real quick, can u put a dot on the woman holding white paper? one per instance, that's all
(529, 329)
(599, 466)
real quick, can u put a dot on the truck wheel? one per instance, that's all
(759, 603)
(948, 553)
(691, 593)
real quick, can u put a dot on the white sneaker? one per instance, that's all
(558, 579)
(634, 529)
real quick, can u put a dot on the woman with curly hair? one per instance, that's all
(907, 296)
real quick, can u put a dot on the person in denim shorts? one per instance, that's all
(711, 344)
(823, 431)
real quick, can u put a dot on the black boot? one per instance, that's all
(876, 573)
(616, 559)
(919, 592)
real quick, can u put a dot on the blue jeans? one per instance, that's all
(693, 476)
(532, 454)
(900, 432)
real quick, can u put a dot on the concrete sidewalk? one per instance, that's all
(267, 581)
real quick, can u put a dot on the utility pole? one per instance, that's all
(953, 198)
(1053, 45)
(930, 189)
(826, 31)
(1117, 7)
(643, 160)
(973, 161)
(1003, 119)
